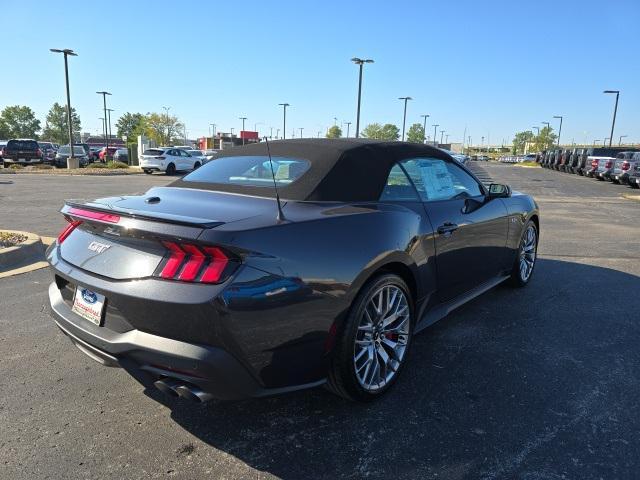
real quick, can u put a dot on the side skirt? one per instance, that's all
(440, 311)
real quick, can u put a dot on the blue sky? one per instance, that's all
(496, 67)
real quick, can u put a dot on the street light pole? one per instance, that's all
(109, 110)
(404, 117)
(213, 135)
(560, 129)
(66, 52)
(620, 139)
(284, 119)
(424, 127)
(435, 133)
(615, 111)
(348, 124)
(106, 132)
(242, 134)
(441, 135)
(538, 131)
(301, 128)
(360, 62)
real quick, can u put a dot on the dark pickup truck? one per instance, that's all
(23, 151)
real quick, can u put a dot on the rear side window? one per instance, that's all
(153, 152)
(398, 187)
(22, 145)
(250, 170)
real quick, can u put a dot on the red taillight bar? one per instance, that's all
(174, 262)
(625, 166)
(93, 215)
(192, 267)
(186, 263)
(66, 231)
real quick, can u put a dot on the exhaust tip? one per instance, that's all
(167, 386)
(193, 394)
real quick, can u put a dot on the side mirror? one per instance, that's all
(498, 190)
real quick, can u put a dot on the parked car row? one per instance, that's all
(27, 151)
(531, 157)
(615, 164)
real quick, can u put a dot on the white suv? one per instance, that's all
(167, 159)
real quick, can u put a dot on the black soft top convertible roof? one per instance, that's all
(342, 170)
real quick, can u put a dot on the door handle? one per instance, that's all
(447, 229)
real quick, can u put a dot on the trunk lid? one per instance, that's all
(121, 237)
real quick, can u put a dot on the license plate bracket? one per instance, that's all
(88, 304)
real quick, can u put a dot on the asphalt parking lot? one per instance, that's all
(537, 383)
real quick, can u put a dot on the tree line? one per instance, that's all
(388, 131)
(19, 121)
(544, 140)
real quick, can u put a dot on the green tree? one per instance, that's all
(416, 133)
(520, 141)
(56, 127)
(18, 121)
(130, 125)
(376, 131)
(545, 140)
(162, 128)
(334, 132)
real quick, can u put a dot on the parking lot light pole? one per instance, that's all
(594, 142)
(360, 62)
(243, 120)
(277, 133)
(441, 135)
(435, 133)
(109, 110)
(66, 52)
(284, 119)
(213, 134)
(104, 102)
(620, 139)
(166, 118)
(424, 127)
(301, 129)
(615, 111)
(559, 129)
(538, 131)
(404, 117)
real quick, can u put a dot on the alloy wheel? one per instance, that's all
(382, 337)
(528, 253)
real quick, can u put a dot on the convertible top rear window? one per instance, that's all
(250, 170)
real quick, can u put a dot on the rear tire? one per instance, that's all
(171, 169)
(148, 172)
(373, 342)
(196, 165)
(525, 261)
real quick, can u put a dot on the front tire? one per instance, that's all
(373, 342)
(525, 261)
(196, 165)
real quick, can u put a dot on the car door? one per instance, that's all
(470, 231)
(175, 158)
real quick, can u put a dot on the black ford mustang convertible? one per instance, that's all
(284, 266)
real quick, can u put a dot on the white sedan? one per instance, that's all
(168, 159)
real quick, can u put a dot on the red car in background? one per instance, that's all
(110, 153)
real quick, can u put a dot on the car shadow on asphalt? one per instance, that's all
(533, 381)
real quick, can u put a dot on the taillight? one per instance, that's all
(39, 152)
(193, 263)
(594, 163)
(93, 215)
(159, 158)
(625, 166)
(66, 231)
(609, 164)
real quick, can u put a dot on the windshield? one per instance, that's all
(250, 171)
(64, 150)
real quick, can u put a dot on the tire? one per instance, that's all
(171, 169)
(520, 278)
(634, 185)
(350, 382)
(148, 172)
(196, 165)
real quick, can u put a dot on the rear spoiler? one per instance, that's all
(122, 221)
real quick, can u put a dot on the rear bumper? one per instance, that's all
(229, 340)
(212, 369)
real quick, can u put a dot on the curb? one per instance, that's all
(30, 249)
(631, 197)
